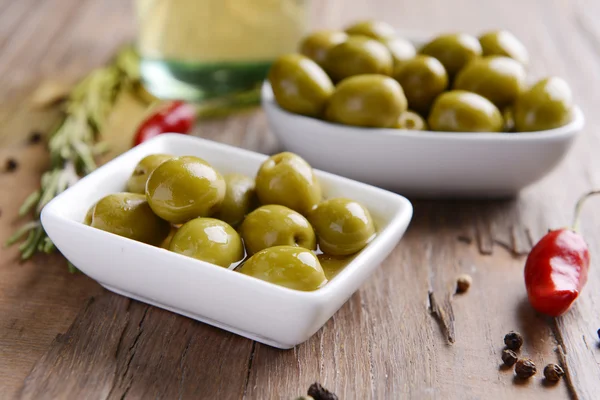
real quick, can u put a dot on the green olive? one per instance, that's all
(139, 177)
(460, 111)
(412, 121)
(275, 225)
(453, 50)
(423, 78)
(316, 45)
(401, 50)
(503, 43)
(288, 180)
(373, 29)
(291, 267)
(130, 216)
(499, 79)
(239, 199)
(546, 105)
(367, 100)
(508, 114)
(87, 220)
(358, 55)
(333, 265)
(299, 85)
(209, 240)
(184, 188)
(343, 226)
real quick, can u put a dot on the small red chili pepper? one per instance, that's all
(557, 268)
(174, 117)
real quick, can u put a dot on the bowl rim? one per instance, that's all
(52, 212)
(572, 128)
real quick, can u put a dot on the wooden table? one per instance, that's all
(62, 336)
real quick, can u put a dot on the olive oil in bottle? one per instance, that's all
(197, 49)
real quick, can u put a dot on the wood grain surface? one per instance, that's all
(62, 336)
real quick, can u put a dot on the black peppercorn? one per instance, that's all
(318, 392)
(11, 165)
(35, 137)
(513, 340)
(525, 368)
(509, 357)
(553, 372)
(463, 283)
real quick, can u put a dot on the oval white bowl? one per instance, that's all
(259, 310)
(424, 163)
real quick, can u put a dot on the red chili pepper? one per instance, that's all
(174, 117)
(557, 268)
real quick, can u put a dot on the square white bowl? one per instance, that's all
(258, 310)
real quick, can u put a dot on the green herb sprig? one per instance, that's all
(73, 145)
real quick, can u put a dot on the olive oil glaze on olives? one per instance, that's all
(368, 76)
(287, 234)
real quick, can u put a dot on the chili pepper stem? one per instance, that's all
(578, 208)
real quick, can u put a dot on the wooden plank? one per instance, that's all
(384, 343)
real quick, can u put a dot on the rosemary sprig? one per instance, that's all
(73, 144)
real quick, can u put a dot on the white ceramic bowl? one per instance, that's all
(262, 311)
(424, 164)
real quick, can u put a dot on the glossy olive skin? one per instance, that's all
(374, 29)
(275, 225)
(453, 50)
(423, 78)
(239, 200)
(499, 79)
(401, 50)
(300, 85)
(460, 111)
(130, 216)
(411, 121)
(356, 56)
(367, 100)
(343, 226)
(209, 240)
(503, 43)
(139, 177)
(292, 267)
(288, 180)
(184, 188)
(316, 45)
(546, 105)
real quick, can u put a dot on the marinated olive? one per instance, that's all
(356, 56)
(343, 226)
(275, 225)
(292, 267)
(499, 79)
(367, 100)
(453, 50)
(130, 216)
(209, 240)
(374, 29)
(300, 85)
(546, 105)
(139, 177)
(316, 45)
(503, 43)
(286, 179)
(239, 199)
(411, 121)
(401, 50)
(184, 188)
(460, 111)
(423, 78)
